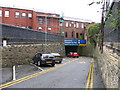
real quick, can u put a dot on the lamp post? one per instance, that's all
(102, 28)
(61, 24)
(45, 32)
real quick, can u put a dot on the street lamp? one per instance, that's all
(45, 32)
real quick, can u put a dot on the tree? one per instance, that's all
(93, 33)
(114, 18)
(81, 37)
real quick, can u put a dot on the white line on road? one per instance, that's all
(37, 67)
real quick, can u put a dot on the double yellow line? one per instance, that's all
(89, 84)
(34, 75)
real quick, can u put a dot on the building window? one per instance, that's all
(23, 15)
(82, 25)
(76, 35)
(23, 26)
(74, 25)
(30, 15)
(72, 34)
(29, 27)
(67, 24)
(49, 28)
(77, 25)
(7, 13)
(72, 22)
(61, 24)
(70, 25)
(81, 34)
(17, 14)
(0, 13)
(48, 21)
(39, 27)
(40, 21)
(65, 34)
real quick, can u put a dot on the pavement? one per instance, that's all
(21, 71)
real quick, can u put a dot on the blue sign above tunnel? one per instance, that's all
(71, 42)
(74, 42)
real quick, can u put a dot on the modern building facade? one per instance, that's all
(41, 21)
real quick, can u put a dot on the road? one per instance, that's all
(72, 73)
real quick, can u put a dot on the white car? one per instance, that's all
(57, 57)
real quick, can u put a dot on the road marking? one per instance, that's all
(34, 75)
(37, 67)
(90, 80)
(82, 61)
(92, 77)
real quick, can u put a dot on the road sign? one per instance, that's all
(58, 49)
(82, 42)
(71, 42)
(75, 42)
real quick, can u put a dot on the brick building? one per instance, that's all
(46, 22)
(74, 27)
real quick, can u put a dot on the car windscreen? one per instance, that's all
(47, 55)
(55, 54)
(71, 53)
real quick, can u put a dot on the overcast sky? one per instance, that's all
(71, 8)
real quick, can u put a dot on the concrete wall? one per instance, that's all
(22, 54)
(86, 50)
(108, 65)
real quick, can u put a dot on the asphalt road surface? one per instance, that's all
(71, 73)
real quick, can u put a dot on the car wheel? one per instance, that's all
(33, 62)
(39, 63)
(53, 64)
(60, 61)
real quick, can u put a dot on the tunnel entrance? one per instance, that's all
(70, 49)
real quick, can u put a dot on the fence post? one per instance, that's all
(14, 76)
(4, 43)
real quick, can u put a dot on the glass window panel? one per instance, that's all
(7, 13)
(17, 14)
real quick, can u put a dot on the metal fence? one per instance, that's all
(111, 34)
(17, 35)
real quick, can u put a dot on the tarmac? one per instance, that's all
(21, 71)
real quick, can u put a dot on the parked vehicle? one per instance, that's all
(73, 54)
(42, 59)
(57, 57)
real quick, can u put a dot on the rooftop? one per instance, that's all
(32, 9)
(77, 19)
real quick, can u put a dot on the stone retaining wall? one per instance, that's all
(108, 65)
(23, 54)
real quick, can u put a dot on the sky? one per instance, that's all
(70, 8)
